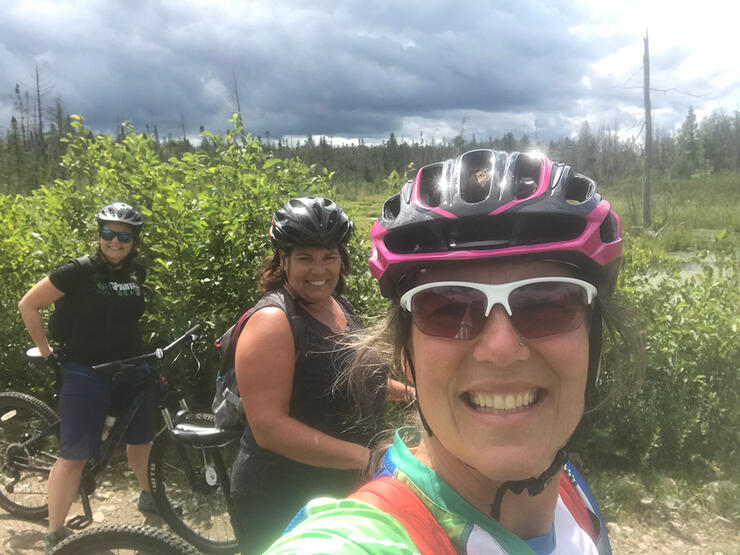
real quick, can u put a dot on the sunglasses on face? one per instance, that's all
(537, 307)
(109, 234)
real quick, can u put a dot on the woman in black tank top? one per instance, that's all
(300, 442)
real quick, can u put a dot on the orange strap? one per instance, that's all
(393, 497)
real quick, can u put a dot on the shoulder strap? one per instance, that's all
(296, 326)
(84, 261)
(240, 325)
(297, 322)
(395, 498)
(86, 264)
(576, 507)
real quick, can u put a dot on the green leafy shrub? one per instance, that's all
(684, 416)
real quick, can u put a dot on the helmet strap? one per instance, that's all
(594, 355)
(407, 361)
(534, 486)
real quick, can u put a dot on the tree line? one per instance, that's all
(34, 143)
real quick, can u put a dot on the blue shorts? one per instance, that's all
(87, 397)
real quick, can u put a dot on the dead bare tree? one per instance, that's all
(40, 114)
(646, 215)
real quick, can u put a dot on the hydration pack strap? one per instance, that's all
(395, 498)
(235, 330)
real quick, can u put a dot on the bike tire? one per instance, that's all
(123, 538)
(23, 491)
(200, 515)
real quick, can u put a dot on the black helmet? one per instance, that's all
(120, 212)
(310, 222)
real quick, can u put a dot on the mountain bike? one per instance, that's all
(29, 435)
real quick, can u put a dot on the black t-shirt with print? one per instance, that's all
(101, 308)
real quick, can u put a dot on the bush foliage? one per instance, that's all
(684, 415)
(207, 215)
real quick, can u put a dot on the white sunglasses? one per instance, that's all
(538, 307)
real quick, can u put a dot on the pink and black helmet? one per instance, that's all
(490, 204)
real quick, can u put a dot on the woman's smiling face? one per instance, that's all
(312, 273)
(501, 403)
(114, 250)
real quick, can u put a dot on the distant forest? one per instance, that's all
(34, 143)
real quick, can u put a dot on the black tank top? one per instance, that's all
(314, 401)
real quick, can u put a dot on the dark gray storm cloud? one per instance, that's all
(349, 69)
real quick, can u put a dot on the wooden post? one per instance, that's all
(646, 216)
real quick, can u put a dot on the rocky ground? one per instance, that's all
(668, 526)
(114, 502)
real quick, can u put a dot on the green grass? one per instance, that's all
(363, 210)
(688, 214)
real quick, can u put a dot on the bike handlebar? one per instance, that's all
(188, 337)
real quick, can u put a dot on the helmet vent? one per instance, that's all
(392, 207)
(430, 192)
(579, 188)
(484, 233)
(609, 229)
(476, 175)
(526, 177)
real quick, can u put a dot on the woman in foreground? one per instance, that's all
(501, 269)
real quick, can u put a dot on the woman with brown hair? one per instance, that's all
(499, 301)
(299, 441)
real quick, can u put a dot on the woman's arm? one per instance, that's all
(397, 391)
(265, 365)
(41, 295)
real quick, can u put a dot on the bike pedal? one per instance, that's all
(79, 522)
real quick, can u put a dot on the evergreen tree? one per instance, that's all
(689, 148)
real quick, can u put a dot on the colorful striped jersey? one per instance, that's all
(354, 526)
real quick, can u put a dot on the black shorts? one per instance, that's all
(87, 397)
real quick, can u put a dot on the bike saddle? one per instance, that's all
(204, 436)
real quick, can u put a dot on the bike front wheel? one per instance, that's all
(123, 538)
(187, 492)
(29, 443)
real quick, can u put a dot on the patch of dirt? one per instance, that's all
(113, 502)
